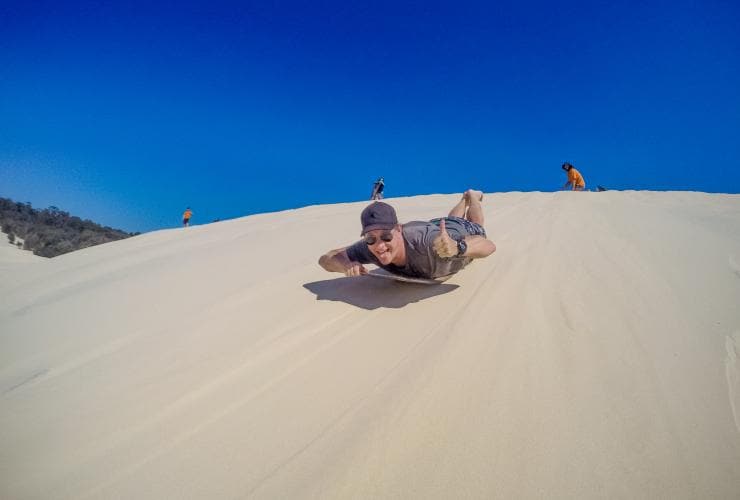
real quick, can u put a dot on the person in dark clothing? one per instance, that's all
(378, 189)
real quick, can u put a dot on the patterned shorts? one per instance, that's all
(470, 227)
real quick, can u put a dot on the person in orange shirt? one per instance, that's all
(186, 215)
(575, 179)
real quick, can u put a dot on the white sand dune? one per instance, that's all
(594, 355)
(11, 255)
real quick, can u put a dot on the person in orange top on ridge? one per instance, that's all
(186, 215)
(575, 179)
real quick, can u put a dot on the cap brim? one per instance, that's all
(373, 227)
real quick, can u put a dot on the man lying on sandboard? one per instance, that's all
(431, 250)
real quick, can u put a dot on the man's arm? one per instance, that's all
(478, 246)
(337, 261)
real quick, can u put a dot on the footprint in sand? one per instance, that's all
(732, 363)
(732, 372)
(734, 265)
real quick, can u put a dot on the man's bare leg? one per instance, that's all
(475, 211)
(459, 209)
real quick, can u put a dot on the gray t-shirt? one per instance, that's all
(421, 259)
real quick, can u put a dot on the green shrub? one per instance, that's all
(51, 232)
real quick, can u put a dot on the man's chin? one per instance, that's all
(385, 259)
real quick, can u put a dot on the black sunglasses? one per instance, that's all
(371, 239)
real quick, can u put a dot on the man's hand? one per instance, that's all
(355, 269)
(337, 261)
(444, 245)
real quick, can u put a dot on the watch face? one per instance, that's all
(462, 247)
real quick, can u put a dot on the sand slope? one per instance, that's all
(11, 255)
(594, 355)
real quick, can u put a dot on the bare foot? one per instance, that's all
(472, 194)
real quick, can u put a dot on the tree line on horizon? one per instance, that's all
(50, 232)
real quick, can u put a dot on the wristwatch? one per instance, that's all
(462, 247)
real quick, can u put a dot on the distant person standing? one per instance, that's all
(186, 215)
(575, 179)
(378, 189)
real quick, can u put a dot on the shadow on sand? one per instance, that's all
(370, 293)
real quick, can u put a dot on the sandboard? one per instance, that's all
(383, 274)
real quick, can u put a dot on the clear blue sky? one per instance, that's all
(128, 113)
